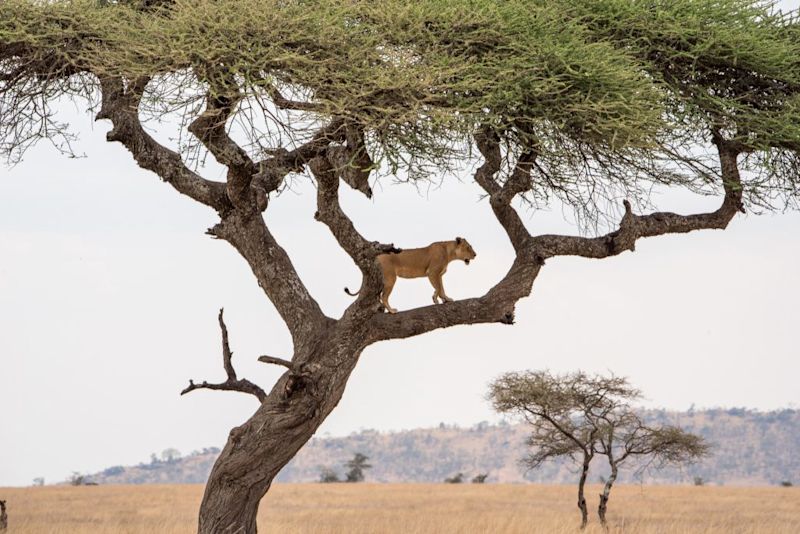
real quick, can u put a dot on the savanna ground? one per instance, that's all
(409, 508)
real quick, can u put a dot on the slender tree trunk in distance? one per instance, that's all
(581, 495)
(601, 509)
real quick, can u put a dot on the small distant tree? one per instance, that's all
(786, 483)
(328, 475)
(580, 416)
(561, 411)
(170, 455)
(623, 435)
(457, 479)
(356, 467)
(38, 481)
(480, 478)
(77, 479)
(699, 481)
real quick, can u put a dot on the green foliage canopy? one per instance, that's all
(611, 94)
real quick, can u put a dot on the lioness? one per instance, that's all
(430, 261)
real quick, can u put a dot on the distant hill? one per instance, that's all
(749, 448)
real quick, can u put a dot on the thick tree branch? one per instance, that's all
(272, 267)
(273, 170)
(633, 227)
(246, 177)
(329, 211)
(233, 383)
(120, 105)
(500, 197)
(211, 129)
(363, 252)
(498, 304)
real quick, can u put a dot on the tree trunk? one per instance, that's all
(581, 497)
(3, 516)
(290, 415)
(601, 510)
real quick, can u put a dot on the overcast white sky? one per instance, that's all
(109, 291)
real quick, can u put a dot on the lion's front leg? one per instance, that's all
(438, 286)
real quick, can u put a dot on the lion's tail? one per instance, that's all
(352, 294)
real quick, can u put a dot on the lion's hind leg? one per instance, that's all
(388, 285)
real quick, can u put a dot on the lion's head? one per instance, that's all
(464, 250)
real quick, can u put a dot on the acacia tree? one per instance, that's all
(562, 412)
(583, 102)
(579, 416)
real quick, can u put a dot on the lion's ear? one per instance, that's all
(459, 240)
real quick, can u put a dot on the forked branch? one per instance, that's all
(211, 129)
(120, 104)
(233, 383)
(500, 197)
(330, 212)
(274, 169)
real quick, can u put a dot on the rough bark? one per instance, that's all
(289, 416)
(3, 516)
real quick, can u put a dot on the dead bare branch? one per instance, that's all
(233, 383)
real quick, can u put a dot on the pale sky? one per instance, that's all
(109, 292)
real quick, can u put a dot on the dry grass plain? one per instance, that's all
(409, 509)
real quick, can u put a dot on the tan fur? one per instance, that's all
(430, 261)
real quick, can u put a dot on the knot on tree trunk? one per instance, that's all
(300, 390)
(295, 383)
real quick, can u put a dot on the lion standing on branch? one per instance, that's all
(430, 261)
